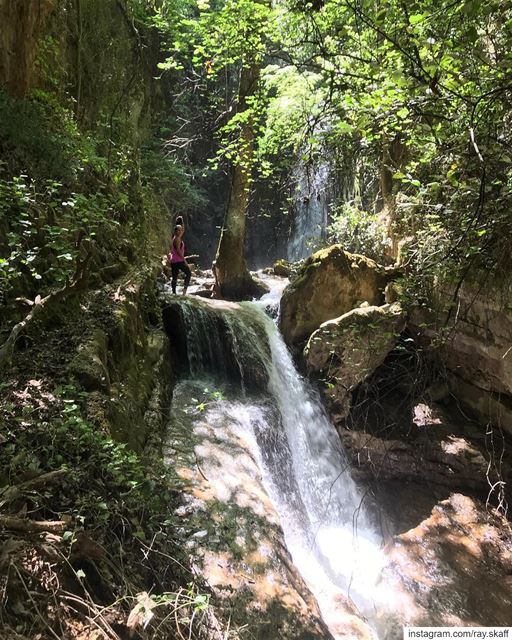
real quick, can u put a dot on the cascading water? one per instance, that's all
(326, 525)
(305, 471)
(311, 205)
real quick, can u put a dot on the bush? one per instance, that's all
(358, 231)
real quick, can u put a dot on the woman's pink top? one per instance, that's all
(175, 256)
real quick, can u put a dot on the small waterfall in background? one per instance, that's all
(304, 468)
(311, 202)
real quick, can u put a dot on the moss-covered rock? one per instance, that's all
(285, 269)
(330, 283)
(89, 366)
(343, 352)
(219, 337)
(125, 364)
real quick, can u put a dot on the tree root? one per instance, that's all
(14, 492)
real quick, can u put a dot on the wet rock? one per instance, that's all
(219, 337)
(454, 569)
(330, 283)
(243, 557)
(344, 351)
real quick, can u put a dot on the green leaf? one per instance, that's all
(416, 18)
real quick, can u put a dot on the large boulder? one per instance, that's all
(331, 282)
(344, 351)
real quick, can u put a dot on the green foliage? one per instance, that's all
(107, 494)
(171, 179)
(108, 485)
(418, 91)
(45, 221)
(427, 78)
(209, 397)
(215, 35)
(41, 135)
(358, 231)
(64, 191)
(293, 100)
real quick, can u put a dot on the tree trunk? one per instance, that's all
(394, 156)
(232, 277)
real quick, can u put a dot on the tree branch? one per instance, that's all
(77, 284)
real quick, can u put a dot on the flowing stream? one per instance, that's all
(268, 473)
(323, 515)
(305, 472)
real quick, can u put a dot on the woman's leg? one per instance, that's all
(188, 274)
(175, 269)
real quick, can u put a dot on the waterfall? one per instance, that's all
(305, 471)
(326, 525)
(311, 205)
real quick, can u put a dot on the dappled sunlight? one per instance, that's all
(234, 527)
(445, 564)
(457, 446)
(425, 415)
(221, 304)
(272, 464)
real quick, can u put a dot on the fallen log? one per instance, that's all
(25, 525)
(17, 491)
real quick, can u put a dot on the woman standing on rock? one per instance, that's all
(177, 256)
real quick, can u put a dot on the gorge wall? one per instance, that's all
(471, 332)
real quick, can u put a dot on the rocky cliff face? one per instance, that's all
(475, 346)
(89, 50)
(473, 341)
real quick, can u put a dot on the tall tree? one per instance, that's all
(223, 40)
(232, 277)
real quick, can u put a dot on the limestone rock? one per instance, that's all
(448, 462)
(344, 351)
(455, 568)
(243, 556)
(477, 352)
(219, 337)
(330, 283)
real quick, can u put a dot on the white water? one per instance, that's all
(311, 204)
(306, 474)
(326, 525)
